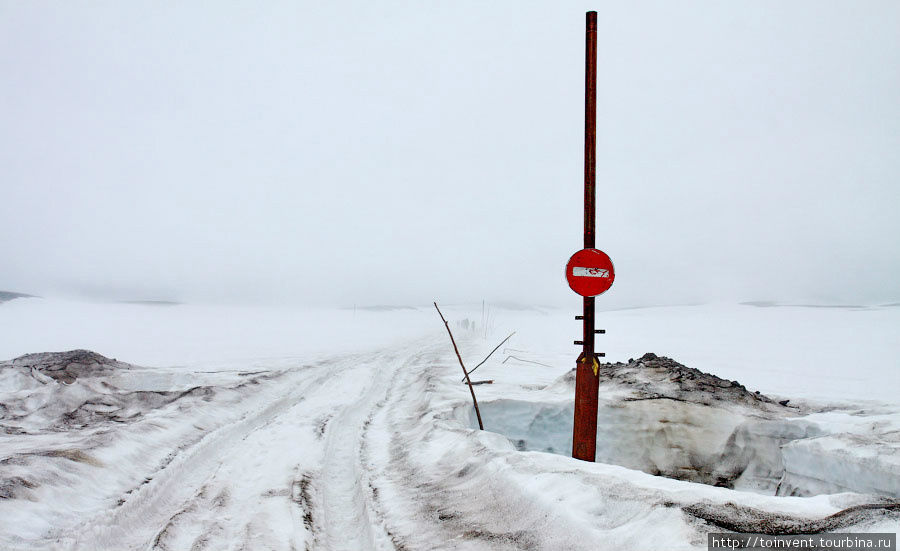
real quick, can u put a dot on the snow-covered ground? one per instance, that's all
(273, 428)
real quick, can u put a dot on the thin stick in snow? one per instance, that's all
(466, 373)
(526, 361)
(492, 352)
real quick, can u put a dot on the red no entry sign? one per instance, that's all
(590, 272)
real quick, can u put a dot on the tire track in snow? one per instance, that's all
(269, 486)
(138, 521)
(290, 469)
(351, 520)
(315, 500)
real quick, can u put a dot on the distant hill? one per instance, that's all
(9, 295)
(380, 308)
(151, 302)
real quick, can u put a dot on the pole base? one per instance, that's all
(584, 433)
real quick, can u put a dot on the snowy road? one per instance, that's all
(288, 473)
(294, 464)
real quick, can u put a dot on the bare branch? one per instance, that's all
(466, 373)
(492, 352)
(526, 361)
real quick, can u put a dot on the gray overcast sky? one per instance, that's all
(372, 152)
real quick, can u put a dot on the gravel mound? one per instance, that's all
(67, 367)
(653, 377)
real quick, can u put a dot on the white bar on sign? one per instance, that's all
(590, 272)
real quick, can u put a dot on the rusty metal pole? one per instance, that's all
(584, 432)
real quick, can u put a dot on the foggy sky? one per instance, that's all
(393, 152)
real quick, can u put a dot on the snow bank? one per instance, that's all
(841, 463)
(663, 418)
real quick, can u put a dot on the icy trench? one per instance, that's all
(693, 442)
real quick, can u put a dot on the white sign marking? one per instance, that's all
(590, 272)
